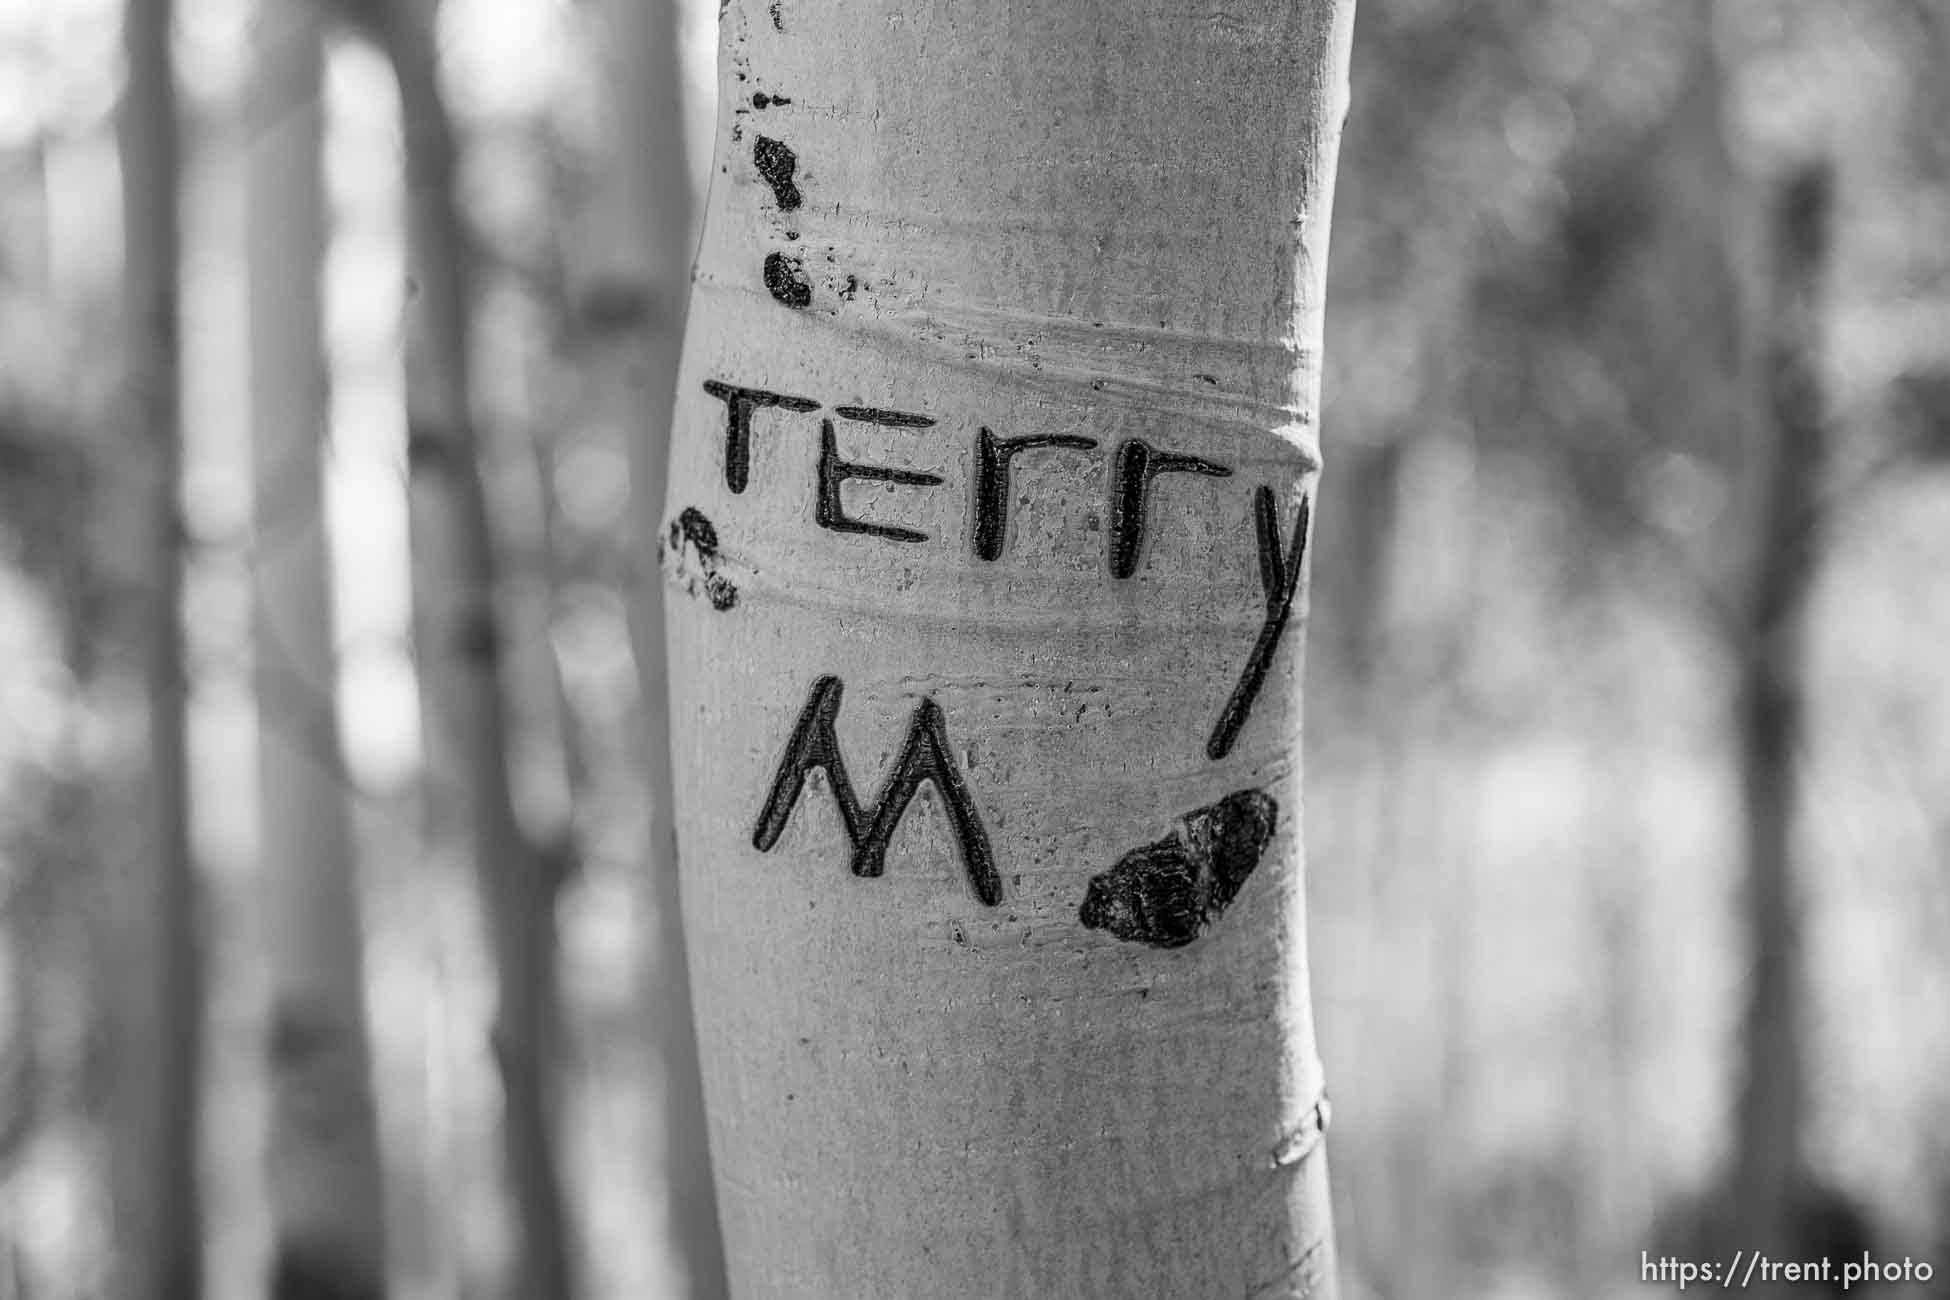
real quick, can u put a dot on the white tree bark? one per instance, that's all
(326, 1190)
(993, 462)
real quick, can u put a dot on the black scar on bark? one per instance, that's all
(831, 514)
(778, 17)
(739, 405)
(1133, 467)
(992, 457)
(776, 164)
(1279, 578)
(786, 278)
(692, 529)
(762, 100)
(925, 756)
(1169, 892)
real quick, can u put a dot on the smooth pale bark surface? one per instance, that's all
(1100, 223)
(326, 1192)
(158, 1013)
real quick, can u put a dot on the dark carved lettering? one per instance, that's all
(992, 457)
(1279, 577)
(814, 744)
(880, 415)
(833, 471)
(1170, 891)
(739, 405)
(1133, 467)
(925, 756)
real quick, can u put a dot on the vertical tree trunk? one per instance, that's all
(326, 1190)
(458, 643)
(158, 1222)
(649, 281)
(1768, 1168)
(994, 453)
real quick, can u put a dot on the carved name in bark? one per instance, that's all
(1164, 893)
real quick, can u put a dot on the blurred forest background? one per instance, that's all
(1630, 730)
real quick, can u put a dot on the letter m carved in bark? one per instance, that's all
(924, 756)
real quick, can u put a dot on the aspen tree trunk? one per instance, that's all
(158, 1222)
(641, 299)
(326, 1190)
(1768, 1152)
(992, 472)
(458, 644)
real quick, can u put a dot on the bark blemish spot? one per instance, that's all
(776, 163)
(778, 16)
(1304, 1140)
(762, 100)
(786, 278)
(1170, 891)
(693, 534)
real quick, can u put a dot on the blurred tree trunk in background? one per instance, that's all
(1065, 266)
(458, 645)
(1769, 1171)
(1361, 733)
(158, 1020)
(327, 1196)
(1733, 340)
(634, 308)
